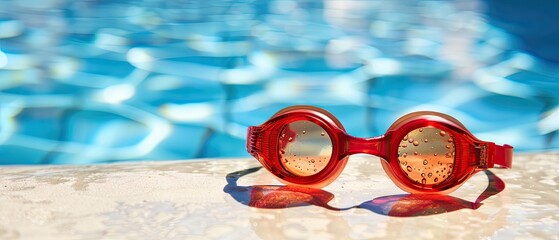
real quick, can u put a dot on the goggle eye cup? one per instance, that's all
(305, 148)
(426, 156)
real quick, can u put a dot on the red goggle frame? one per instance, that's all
(420, 152)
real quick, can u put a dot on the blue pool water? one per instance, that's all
(108, 81)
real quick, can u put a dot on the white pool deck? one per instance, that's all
(230, 199)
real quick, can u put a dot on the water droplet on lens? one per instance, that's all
(415, 153)
(422, 174)
(435, 154)
(429, 175)
(282, 151)
(312, 161)
(415, 143)
(403, 145)
(423, 180)
(322, 134)
(436, 179)
(450, 140)
(421, 130)
(442, 133)
(304, 131)
(448, 146)
(290, 139)
(405, 138)
(315, 170)
(410, 140)
(409, 168)
(425, 140)
(425, 162)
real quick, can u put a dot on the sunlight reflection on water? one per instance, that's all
(104, 81)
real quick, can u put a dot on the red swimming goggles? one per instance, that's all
(421, 152)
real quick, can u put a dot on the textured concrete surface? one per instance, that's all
(234, 199)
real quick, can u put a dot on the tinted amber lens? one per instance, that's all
(426, 155)
(305, 148)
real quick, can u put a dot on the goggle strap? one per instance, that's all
(502, 155)
(253, 143)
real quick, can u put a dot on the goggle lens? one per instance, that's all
(305, 148)
(426, 155)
